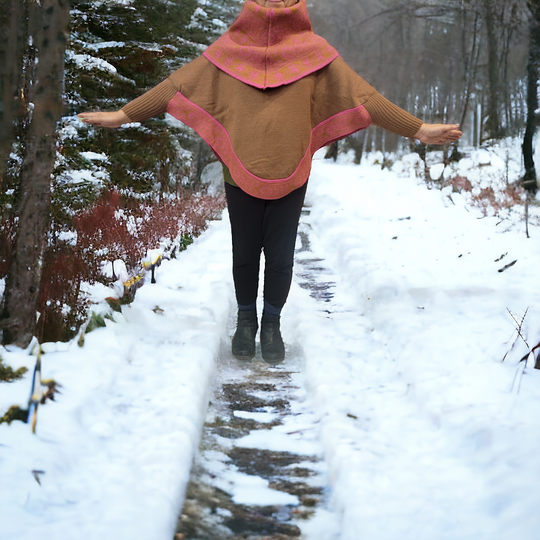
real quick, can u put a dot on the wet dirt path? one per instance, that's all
(259, 473)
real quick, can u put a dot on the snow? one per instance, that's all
(199, 12)
(90, 62)
(99, 3)
(287, 437)
(105, 44)
(94, 156)
(219, 23)
(116, 269)
(441, 443)
(68, 237)
(427, 433)
(247, 489)
(79, 176)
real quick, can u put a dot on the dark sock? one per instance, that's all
(249, 307)
(269, 309)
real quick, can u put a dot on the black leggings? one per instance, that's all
(268, 225)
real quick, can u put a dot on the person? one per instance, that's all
(266, 96)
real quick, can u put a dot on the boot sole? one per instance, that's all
(244, 357)
(274, 361)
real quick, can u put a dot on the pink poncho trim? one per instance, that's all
(267, 47)
(336, 127)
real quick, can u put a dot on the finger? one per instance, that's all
(85, 117)
(90, 118)
(453, 135)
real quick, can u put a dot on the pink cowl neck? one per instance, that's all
(267, 47)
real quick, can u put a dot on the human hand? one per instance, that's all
(105, 119)
(438, 133)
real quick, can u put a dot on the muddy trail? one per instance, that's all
(260, 473)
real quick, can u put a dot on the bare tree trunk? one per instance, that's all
(332, 151)
(533, 72)
(470, 62)
(493, 124)
(48, 24)
(12, 44)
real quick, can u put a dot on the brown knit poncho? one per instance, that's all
(267, 95)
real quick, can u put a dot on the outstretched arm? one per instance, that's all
(152, 103)
(389, 116)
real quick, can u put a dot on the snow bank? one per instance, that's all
(428, 434)
(115, 450)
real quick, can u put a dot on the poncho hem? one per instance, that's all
(213, 132)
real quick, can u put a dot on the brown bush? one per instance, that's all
(459, 183)
(488, 200)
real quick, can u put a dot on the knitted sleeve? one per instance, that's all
(389, 116)
(152, 103)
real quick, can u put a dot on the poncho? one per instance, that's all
(267, 95)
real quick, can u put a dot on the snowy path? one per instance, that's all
(397, 322)
(259, 473)
(260, 469)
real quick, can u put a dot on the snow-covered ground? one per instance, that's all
(427, 433)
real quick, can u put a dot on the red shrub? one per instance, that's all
(62, 308)
(103, 234)
(459, 183)
(114, 228)
(490, 201)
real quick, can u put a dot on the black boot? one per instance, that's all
(243, 342)
(272, 347)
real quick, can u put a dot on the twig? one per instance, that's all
(529, 355)
(519, 325)
(509, 265)
(527, 214)
(41, 391)
(536, 347)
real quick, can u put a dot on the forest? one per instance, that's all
(74, 198)
(462, 61)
